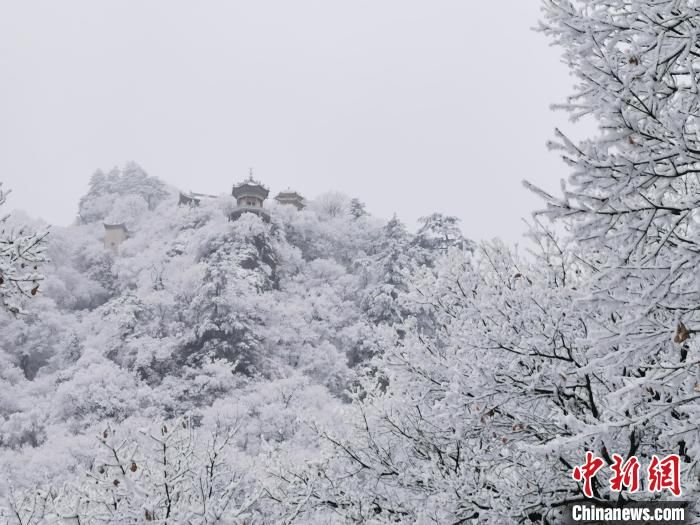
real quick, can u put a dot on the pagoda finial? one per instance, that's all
(250, 174)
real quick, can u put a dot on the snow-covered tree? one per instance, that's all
(632, 198)
(388, 268)
(129, 181)
(438, 233)
(476, 419)
(357, 208)
(136, 181)
(166, 475)
(22, 252)
(632, 203)
(331, 205)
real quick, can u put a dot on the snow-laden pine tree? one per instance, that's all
(224, 315)
(131, 180)
(438, 233)
(388, 269)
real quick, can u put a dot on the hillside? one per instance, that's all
(200, 317)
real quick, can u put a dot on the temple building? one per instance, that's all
(115, 235)
(250, 196)
(291, 198)
(193, 199)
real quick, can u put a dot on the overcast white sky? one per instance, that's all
(412, 106)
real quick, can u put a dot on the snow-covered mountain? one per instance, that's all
(199, 317)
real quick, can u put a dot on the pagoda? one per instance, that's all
(291, 198)
(250, 196)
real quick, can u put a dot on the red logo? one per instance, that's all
(625, 475)
(663, 474)
(587, 471)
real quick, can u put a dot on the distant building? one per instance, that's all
(250, 196)
(115, 235)
(291, 198)
(193, 199)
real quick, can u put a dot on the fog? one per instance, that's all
(413, 107)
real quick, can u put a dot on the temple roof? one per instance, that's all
(118, 226)
(195, 198)
(289, 195)
(250, 186)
